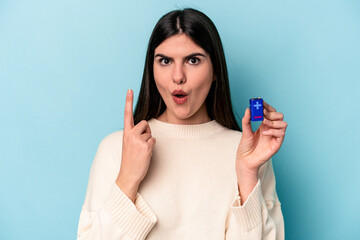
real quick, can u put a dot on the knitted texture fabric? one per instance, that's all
(190, 190)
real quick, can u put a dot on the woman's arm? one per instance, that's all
(260, 215)
(107, 212)
(247, 181)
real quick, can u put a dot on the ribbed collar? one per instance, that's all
(161, 128)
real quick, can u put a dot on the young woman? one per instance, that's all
(181, 168)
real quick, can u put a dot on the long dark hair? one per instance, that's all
(203, 32)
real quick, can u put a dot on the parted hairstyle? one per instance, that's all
(203, 32)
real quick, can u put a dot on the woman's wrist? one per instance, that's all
(129, 188)
(247, 180)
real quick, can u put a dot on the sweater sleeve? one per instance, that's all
(107, 212)
(260, 217)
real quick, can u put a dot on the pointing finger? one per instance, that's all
(128, 117)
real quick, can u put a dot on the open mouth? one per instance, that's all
(180, 96)
(180, 99)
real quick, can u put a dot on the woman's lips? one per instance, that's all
(180, 100)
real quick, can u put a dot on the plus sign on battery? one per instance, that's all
(257, 105)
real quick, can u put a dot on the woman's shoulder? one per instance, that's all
(112, 140)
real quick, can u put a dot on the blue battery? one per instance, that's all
(256, 109)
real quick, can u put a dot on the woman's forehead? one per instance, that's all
(178, 45)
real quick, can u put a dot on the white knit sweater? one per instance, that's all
(189, 192)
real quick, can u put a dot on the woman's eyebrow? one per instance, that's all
(187, 57)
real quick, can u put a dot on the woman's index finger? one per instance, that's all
(268, 107)
(128, 116)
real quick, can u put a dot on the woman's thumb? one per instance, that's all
(246, 124)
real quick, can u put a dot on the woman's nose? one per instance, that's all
(179, 75)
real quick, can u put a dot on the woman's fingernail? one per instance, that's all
(129, 92)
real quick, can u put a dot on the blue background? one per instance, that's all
(65, 67)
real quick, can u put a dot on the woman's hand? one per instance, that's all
(258, 147)
(137, 147)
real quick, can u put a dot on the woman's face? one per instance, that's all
(180, 64)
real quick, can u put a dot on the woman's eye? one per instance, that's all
(164, 61)
(194, 60)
